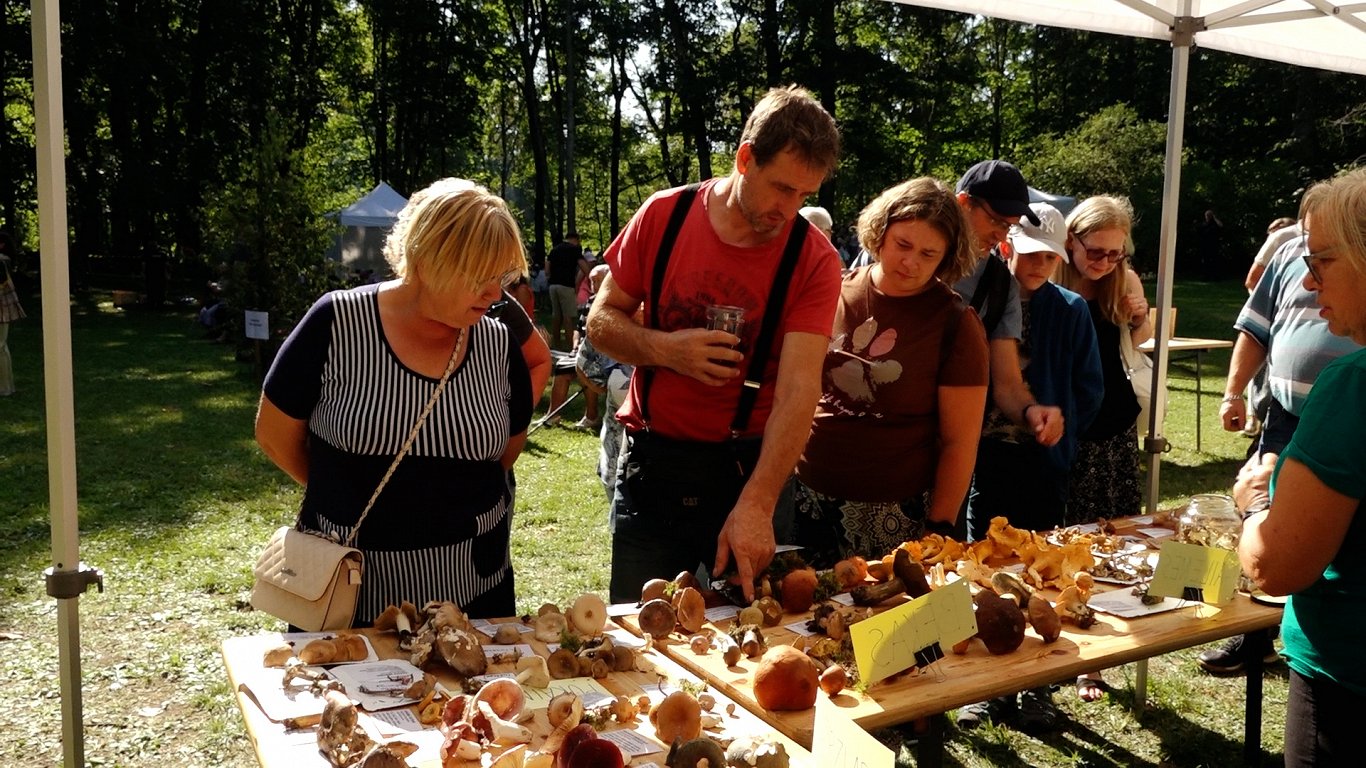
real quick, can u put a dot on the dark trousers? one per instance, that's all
(1014, 481)
(1277, 428)
(1322, 722)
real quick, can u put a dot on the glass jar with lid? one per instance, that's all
(1210, 520)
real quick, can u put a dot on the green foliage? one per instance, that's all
(271, 229)
(1112, 152)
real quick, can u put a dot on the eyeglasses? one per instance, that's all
(1315, 256)
(1097, 254)
(991, 215)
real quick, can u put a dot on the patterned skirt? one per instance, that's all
(829, 529)
(1104, 481)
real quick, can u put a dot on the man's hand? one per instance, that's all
(708, 356)
(1046, 422)
(1233, 413)
(748, 536)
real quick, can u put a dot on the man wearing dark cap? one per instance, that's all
(994, 196)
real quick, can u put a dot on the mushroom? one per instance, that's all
(833, 680)
(657, 618)
(691, 609)
(1043, 619)
(701, 752)
(798, 587)
(563, 741)
(623, 658)
(462, 651)
(401, 619)
(700, 644)
(686, 579)
(653, 589)
(496, 729)
(750, 615)
(595, 753)
(785, 680)
(1000, 622)
(757, 752)
(549, 627)
(532, 672)
(771, 609)
(563, 664)
(907, 576)
(504, 696)
(564, 707)
(588, 614)
(548, 608)
(514, 757)
(507, 634)
(1006, 583)
(623, 709)
(752, 642)
(851, 572)
(1073, 608)
(678, 716)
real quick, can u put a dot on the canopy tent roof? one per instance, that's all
(378, 209)
(1313, 33)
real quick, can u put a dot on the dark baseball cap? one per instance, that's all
(1001, 185)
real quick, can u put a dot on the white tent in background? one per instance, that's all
(1326, 34)
(367, 222)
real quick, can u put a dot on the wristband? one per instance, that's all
(1232, 398)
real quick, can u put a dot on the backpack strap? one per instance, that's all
(777, 296)
(682, 205)
(993, 290)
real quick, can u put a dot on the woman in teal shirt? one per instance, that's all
(1311, 541)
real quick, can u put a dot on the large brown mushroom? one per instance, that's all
(785, 680)
(678, 716)
(907, 576)
(691, 609)
(1000, 622)
(657, 618)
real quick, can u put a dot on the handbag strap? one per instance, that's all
(408, 442)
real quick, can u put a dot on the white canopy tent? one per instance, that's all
(1325, 34)
(1314, 33)
(367, 222)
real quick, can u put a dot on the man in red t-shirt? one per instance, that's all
(726, 253)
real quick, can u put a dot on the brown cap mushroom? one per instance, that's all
(678, 716)
(692, 610)
(657, 618)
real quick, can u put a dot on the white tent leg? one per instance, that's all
(68, 577)
(1155, 444)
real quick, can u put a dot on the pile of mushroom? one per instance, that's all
(346, 745)
(471, 724)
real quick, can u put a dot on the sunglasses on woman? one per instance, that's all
(1097, 254)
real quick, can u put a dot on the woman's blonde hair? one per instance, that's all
(928, 200)
(1092, 215)
(455, 233)
(1339, 210)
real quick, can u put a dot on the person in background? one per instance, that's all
(994, 197)
(1303, 535)
(353, 378)
(1280, 332)
(1209, 234)
(732, 239)
(1280, 231)
(1016, 477)
(10, 310)
(820, 219)
(1104, 478)
(566, 268)
(904, 385)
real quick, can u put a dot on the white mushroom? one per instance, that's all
(549, 626)
(588, 614)
(532, 672)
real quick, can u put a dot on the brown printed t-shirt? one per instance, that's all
(876, 429)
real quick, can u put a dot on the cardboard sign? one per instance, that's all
(913, 634)
(256, 325)
(838, 742)
(1192, 572)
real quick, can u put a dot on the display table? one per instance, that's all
(955, 680)
(279, 747)
(1196, 348)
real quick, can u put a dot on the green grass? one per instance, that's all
(175, 498)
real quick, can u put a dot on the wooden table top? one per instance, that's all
(955, 680)
(278, 748)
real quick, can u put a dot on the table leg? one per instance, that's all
(1252, 715)
(1199, 391)
(929, 751)
(1140, 685)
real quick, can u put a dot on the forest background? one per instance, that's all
(208, 139)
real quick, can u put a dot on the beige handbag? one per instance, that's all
(311, 581)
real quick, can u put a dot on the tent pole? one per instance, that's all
(68, 577)
(1155, 444)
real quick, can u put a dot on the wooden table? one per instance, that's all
(955, 681)
(277, 747)
(1195, 348)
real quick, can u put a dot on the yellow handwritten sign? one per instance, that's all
(913, 633)
(586, 687)
(1193, 572)
(838, 742)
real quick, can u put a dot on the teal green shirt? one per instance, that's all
(1324, 627)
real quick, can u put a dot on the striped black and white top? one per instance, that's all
(440, 529)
